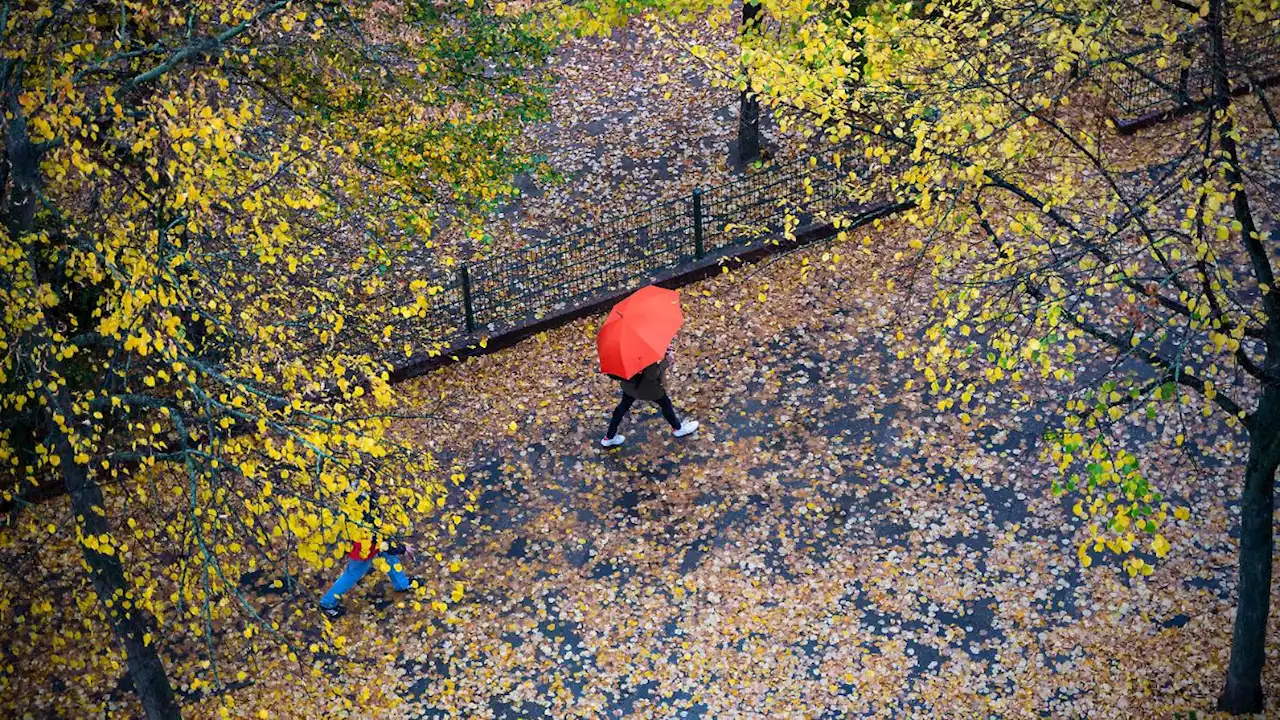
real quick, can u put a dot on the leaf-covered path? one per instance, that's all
(827, 545)
(633, 122)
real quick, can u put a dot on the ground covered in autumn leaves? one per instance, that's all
(634, 121)
(827, 545)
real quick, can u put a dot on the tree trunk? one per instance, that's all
(1243, 691)
(132, 625)
(748, 105)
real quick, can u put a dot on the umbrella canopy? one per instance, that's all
(638, 331)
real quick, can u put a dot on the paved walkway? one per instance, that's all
(826, 546)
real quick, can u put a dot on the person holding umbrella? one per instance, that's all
(635, 349)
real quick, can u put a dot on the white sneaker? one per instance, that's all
(614, 441)
(686, 428)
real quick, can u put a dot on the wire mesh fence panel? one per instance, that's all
(1163, 77)
(1258, 58)
(1017, 62)
(567, 272)
(736, 213)
(740, 212)
(1141, 86)
(429, 314)
(518, 288)
(834, 183)
(418, 313)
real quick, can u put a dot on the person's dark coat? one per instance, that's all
(647, 384)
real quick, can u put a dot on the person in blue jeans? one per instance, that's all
(359, 560)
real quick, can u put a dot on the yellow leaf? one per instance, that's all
(1160, 546)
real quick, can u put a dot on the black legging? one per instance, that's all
(664, 402)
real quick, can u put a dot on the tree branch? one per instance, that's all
(1150, 357)
(198, 48)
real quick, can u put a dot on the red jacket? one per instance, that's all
(357, 551)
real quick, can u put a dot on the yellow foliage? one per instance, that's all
(194, 312)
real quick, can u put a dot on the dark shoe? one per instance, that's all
(333, 612)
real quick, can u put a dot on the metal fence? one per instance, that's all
(1143, 91)
(517, 288)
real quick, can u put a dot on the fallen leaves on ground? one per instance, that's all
(825, 546)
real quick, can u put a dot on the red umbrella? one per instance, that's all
(638, 331)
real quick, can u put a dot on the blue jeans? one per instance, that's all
(357, 569)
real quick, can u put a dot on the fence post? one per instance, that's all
(466, 299)
(698, 251)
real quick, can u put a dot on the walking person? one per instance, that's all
(635, 349)
(360, 559)
(647, 385)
